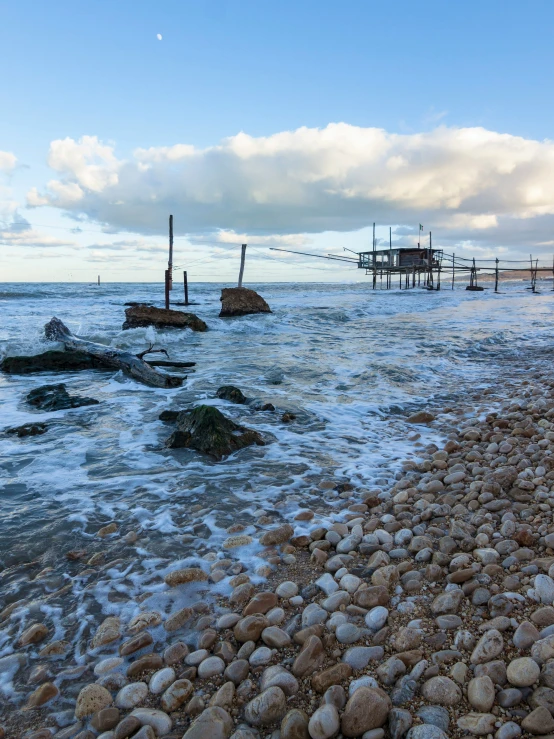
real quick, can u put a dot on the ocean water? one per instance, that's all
(349, 362)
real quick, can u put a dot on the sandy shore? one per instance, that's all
(424, 610)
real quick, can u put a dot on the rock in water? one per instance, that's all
(52, 361)
(207, 430)
(141, 315)
(56, 398)
(28, 429)
(232, 393)
(240, 301)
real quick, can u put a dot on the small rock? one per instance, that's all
(324, 723)
(91, 699)
(267, 707)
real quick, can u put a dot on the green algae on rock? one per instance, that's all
(207, 430)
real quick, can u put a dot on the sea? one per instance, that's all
(348, 362)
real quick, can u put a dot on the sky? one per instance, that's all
(293, 125)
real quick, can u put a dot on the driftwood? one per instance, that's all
(130, 364)
(151, 350)
(169, 363)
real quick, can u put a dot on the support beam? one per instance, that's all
(242, 258)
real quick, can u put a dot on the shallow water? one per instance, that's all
(349, 362)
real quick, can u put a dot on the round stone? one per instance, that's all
(377, 618)
(287, 589)
(158, 720)
(91, 699)
(481, 693)
(161, 680)
(131, 695)
(210, 667)
(523, 672)
(266, 708)
(442, 691)
(177, 693)
(324, 723)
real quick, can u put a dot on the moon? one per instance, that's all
(159, 36)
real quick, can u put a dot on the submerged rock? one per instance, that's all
(56, 398)
(240, 301)
(207, 430)
(51, 361)
(28, 429)
(232, 393)
(140, 315)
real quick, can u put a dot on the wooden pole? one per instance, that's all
(390, 256)
(98, 280)
(375, 261)
(167, 288)
(186, 286)
(532, 275)
(453, 269)
(242, 258)
(496, 276)
(439, 273)
(170, 260)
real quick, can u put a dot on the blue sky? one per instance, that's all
(75, 69)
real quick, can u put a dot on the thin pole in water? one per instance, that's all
(186, 285)
(453, 269)
(496, 276)
(242, 258)
(167, 288)
(375, 261)
(98, 280)
(170, 260)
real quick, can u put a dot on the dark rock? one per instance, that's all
(240, 301)
(51, 361)
(56, 398)
(207, 430)
(137, 316)
(232, 393)
(28, 429)
(403, 691)
(169, 416)
(435, 715)
(288, 417)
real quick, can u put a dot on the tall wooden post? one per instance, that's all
(242, 258)
(186, 286)
(98, 280)
(170, 260)
(453, 269)
(167, 289)
(390, 256)
(375, 260)
(496, 276)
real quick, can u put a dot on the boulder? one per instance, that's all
(240, 301)
(207, 430)
(56, 398)
(137, 316)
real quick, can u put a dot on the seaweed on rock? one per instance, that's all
(207, 430)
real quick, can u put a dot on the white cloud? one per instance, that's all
(7, 161)
(20, 233)
(467, 183)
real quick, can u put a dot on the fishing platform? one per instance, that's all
(425, 267)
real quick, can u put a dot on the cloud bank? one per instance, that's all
(7, 161)
(468, 183)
